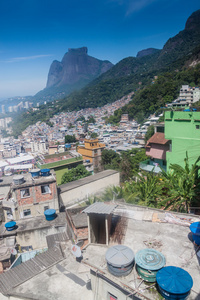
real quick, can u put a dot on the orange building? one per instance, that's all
(92, 151)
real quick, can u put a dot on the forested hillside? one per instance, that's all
(174, 65)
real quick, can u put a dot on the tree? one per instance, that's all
(108, 156)
(70, 139)
(75, 174)
(182, 185)
(149, 134)
(147, 190)
(94, 135)
(112, 193)
(91, 120)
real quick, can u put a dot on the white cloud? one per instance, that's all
(137, 5)
(23, 58)
(131, 6)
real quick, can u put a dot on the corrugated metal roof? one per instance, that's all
(100, 208)
(29, 269)
(57, 237)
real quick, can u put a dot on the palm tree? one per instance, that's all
(147, 190)
(182, 185)
(112, 193)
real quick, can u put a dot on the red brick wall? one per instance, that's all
(36, 195)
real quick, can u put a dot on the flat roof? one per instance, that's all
(38, 222)
(164, 231)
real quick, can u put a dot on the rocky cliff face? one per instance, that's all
(76, 66)
(148, 51)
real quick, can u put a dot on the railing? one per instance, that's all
(149, 166)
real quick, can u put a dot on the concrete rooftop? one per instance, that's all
(27, 224)
(144, 228)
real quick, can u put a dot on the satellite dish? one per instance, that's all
(76, 250)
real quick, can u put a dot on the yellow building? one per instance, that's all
(92, 151)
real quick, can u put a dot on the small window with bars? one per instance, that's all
(25, 193)
(45, 189)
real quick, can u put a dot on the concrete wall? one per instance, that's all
(102, 289)
(37, 238)
(82, 191)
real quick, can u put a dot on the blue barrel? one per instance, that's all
(120, 260)
(45, 172)
(195, 229)
(35, 173)
(174, 283)
(148, 263)
(50, 214)
(10, 225)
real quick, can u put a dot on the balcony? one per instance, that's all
(149, 165)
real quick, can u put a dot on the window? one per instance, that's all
(25, 193)
(45, 189)
(197, 126)
(27, 212)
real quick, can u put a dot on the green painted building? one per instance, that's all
(183, 129)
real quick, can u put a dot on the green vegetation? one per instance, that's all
(127, 163)
(177, 190)
(182, 186)
(75, 174)
(93, 135)
(171, 65)
(149, 134)
(70, 139)
(154, 96)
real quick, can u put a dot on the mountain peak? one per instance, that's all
(82, 50)
(193, 21)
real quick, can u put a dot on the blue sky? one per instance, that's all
(34, 33)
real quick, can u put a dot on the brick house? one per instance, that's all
(30, 196)
(77, 228)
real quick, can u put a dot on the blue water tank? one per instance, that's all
(10, 225)
(35, 173)
(174, 283)
(67, 145)
(50, 214)
(195, 229)
(45, 172)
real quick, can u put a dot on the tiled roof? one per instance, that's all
(158, 138)
(100, 208)
(29, 269)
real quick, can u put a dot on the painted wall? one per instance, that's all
(81, 192)
(183, 129)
